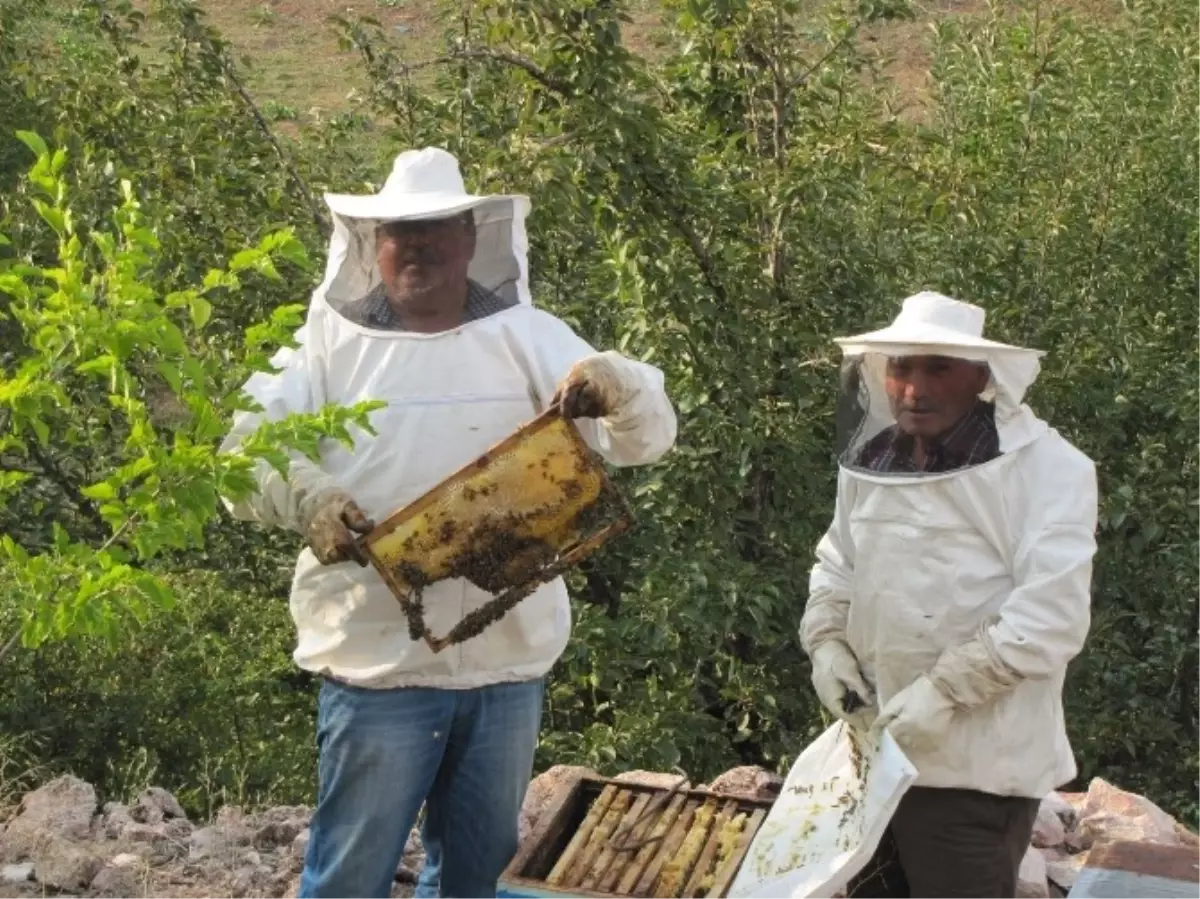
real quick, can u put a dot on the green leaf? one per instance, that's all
(99, 492)
(201, 310)
(171, 375)
(55, 218)
(34, 142)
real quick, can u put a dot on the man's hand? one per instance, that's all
(593, 388)
(918, 716)
(328, 525)
(837, 678)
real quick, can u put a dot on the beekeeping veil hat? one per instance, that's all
(930, 325)
(425, 184)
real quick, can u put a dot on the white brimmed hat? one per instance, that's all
(423, 184)
(933, 321)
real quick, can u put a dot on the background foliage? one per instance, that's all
(722, 207)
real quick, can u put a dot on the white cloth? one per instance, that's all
(979, 578)
(450, 396)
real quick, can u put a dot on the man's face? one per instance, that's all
(929, 394)
(424, 264)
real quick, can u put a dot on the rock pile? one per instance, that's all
(61, 841)
(1070, 824)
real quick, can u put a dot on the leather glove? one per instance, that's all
(328, 521)
(918, 716)
(835, 676)
(594, 388)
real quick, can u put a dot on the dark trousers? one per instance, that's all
(950, 843)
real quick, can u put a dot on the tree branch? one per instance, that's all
(678, 221)
(675, 216)
(68, 485)
(491, 54)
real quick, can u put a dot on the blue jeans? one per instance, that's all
(466, 754)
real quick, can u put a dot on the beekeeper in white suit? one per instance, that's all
(951, 591)
(426, 305)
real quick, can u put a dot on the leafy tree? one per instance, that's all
(114, 390)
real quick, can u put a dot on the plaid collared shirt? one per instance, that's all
(973, 441)
(374, 310)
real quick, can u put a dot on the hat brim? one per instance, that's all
(901, 339)
(412, 207)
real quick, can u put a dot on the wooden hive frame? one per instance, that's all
(568, 554)
(667, 842)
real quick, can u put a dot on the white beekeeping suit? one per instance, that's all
(961, 589)
(450, 396)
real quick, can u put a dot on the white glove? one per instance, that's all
(835, 676)
(918, 716)
(595, 387)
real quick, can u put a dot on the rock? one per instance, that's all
(1048, 829)
(1112, 815)
(143, 833)
(252, 859)
(279, 883)
(62, 808)
(414, 853)
(1067, 813)
(243, 883)
(156, 805)
(1075, 800)
(205, 842)
(748, 780)
(214, 841)
(177, 829)
(16, 873)
(231, 831)
(278, 833)
(1077, 842)
(299, 847)
(1031, 879)
(125, 875)
(541, 793)
(62, 864)
(116, 817)
(1186, 837)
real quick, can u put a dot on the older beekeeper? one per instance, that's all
(952, 589)
(426, 305)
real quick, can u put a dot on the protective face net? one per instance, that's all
(495, 267)
(912, 416)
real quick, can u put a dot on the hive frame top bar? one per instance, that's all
(557, 817)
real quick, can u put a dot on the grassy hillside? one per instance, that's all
(297, 70)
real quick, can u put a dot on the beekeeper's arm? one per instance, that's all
(620, 404)
(307, 500)
(835, 671)
(1043, 623)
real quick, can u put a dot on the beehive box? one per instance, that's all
(608, 838)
